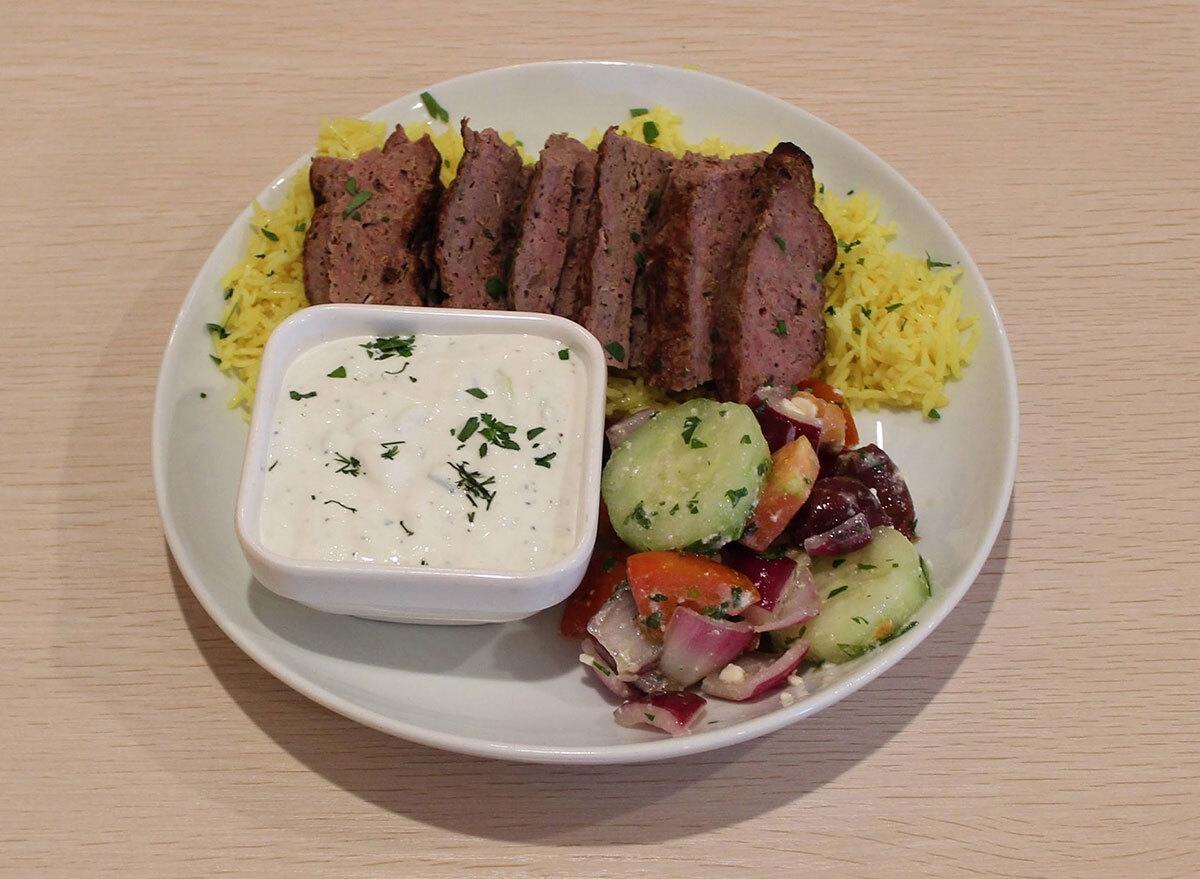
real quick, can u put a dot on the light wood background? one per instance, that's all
(1051, 727)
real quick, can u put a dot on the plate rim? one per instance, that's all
(619, 752)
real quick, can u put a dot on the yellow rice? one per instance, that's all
(876, 356)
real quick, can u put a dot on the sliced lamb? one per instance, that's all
(368, 240)
(583, 196)
(545, 220)
(630, 180)
(774, 296)
(478, 222)
(707, 204)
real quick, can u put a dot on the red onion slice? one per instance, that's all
(769, 576)
(615, 627)
(798, 604)
(670, 712)
(755, 674)
(592, 658)
(695, 645)
(620, 431)
(782, 420)
(854, 533)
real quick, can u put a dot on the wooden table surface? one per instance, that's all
(1051, 726)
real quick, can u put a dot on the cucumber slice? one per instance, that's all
(867, 597)
(688, 479)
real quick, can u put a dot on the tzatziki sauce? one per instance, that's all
(450, 451)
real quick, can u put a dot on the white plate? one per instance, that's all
(516, 691)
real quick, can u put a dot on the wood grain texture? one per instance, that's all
(1048, 728)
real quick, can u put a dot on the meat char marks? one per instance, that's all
(630, 177)
(369, 236)
(707, 204)
(559, 196)
(770, 307)
(478, 223)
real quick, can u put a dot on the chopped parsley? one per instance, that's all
(653, 622)
(497, 433)
(617, 350)
(544, 460)
(477, 393)
(865, 567)
(837, 591)
(639, 516)
(737, 494)
(780, 328)
(296, 395)
(658, 596)
(934, 414)
(392, 447)
(389, 346)
(650, 131)
(533, 432)
(689, 432)
(782, 244)
(564, 354)
(894, 306)
(638, 111)
(300, 227)
(433, 108)
(495, 287)
(837, 563)
(340, 372)
(468, 428)
(931, 263)
(268, 234)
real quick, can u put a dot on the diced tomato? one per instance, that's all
(662, 581)
(605, 572)
(827, 392)
(794, 468)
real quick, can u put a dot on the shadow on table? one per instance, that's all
(642, 803)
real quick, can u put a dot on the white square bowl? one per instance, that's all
(417, 594)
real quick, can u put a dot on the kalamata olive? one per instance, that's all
(835, 499)
(871, 466)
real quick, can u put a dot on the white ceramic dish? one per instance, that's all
(516, 691)
(416, 594)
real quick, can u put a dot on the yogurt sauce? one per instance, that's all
(447, 451)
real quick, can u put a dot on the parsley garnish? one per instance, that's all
(433, 108)
(650, 131)
(653, 622)
(497, 433)
(390, 346)
(689, 430)
(736, 495)
(361, 197)
(534, 431)
(495, 287)
(780, 328)
(477, 393)
(865, 567)
(564, 354)
(392, 447)
(221, 332)
(934, 414)
(860, 620)
(268, 234)
(782, 244)
(638, 111)
(931, 263)
(639, 516)
(340, 372)
(837, 591)
(745, 439)
(894, 306)
(617, 350)
(300, 227)
(296, 395)
(545, 460)
(837, 563)
(468, 428)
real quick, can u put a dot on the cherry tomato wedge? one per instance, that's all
(794, 469)
(825, 391)
(662, 581)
